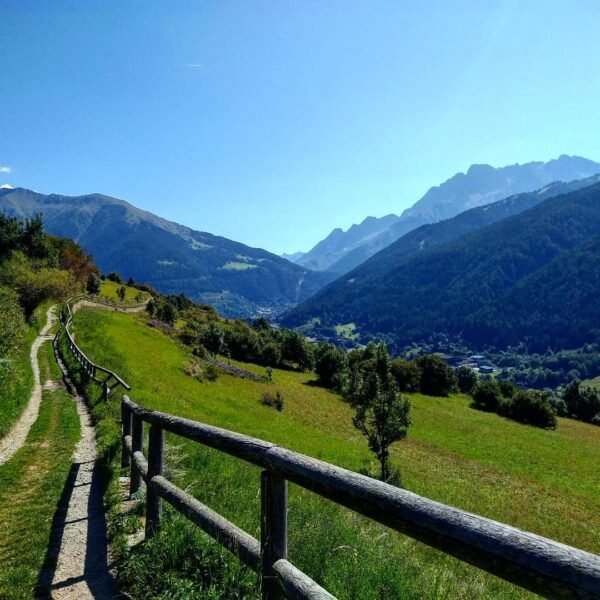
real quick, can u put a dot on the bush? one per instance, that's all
(486, 395)
(532, 408)
(274, 400)
(211, 372)
(330, 363)
(407, 374)
(270, 354)
(582, 402)
(466, 379)
(114, 277)
(437, 378)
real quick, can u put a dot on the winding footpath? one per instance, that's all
(79, 540)
(16, 437)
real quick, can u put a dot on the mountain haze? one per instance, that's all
(342, 251)
(235, 278)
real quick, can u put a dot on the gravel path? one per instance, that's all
(15, 438)
(79, 539)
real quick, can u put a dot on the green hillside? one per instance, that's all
(236, 278)
(473, 460)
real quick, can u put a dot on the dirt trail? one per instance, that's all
(79, 538)
(15, 438)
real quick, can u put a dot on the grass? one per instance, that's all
(109, 291)
(541, 481)
(592, 382)
(238, 266)
(347, 331)
(31, 484)
(16, 376)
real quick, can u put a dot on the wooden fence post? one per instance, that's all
(137, 444)
(273, 532)
(126, 421)
(105, 390)
(155, 467)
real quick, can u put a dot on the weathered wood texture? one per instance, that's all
(533, 562)
(155, 467)
(297, 585)
(273, 532)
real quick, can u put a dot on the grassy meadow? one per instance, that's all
(109, 289)
(542, 481)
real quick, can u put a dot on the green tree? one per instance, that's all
(330, 363)
(437, 378)
(486, 395)
(407, 374)
(466, 378)
(167, 313)
(382, 415)
(121, 292)
(93, 285)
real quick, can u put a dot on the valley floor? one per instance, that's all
(542, 481)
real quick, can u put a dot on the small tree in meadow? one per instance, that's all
(121, 291)
(382, 415)
(93, 284)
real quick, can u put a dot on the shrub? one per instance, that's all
(582, 402)
(507, 388)
(211, 372)
(270, 354)
(200, 351)
(407, 374)
(466, 379)
(93, 284)
(486, 395)
(437, 378)
(274, 400)
(330, 363)
(114, 277)
(532, 408)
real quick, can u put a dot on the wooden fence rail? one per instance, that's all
(109, 380)
(538, 564)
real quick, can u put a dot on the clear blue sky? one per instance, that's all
(272, 122)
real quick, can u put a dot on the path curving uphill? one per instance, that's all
(17, 435)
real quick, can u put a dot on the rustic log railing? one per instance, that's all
(538, 564)
(105, 377)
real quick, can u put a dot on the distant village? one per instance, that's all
(479, 363)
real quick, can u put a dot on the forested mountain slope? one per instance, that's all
(477, 285)
(237, 279)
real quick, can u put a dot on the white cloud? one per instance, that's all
(195, 65)
(6, 186)
(5, 170)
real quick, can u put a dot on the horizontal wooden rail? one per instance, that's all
(538, 564)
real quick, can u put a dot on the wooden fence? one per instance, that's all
(105, 377)
(538, 564)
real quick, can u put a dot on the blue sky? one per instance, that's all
(274, 122)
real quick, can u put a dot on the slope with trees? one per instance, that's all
(480, 284)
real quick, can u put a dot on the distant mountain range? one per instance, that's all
(342, 251)
(236, 279)
(525, 268)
